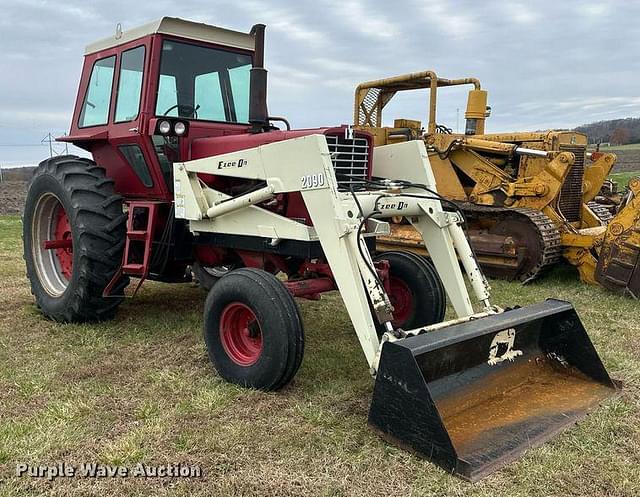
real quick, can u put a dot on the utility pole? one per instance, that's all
(1, 177)
(49, 139)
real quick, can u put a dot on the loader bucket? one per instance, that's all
(474, 396)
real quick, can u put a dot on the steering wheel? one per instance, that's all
(184, 110)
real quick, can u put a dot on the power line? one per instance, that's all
(49, 138)
(22, 144)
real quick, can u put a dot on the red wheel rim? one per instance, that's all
(62, 235)
(241, 334)
(402, 301)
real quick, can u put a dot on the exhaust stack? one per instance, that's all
(258, 113)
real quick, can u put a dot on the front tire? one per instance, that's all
(417, 294)
(253, 330)
(73, 238)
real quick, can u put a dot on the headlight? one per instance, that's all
(164, 127)
(179, 128)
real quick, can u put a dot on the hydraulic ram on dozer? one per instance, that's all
(469, 394)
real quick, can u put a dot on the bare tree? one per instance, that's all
(620, 136)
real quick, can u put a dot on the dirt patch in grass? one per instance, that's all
(627, 160)
(139, 389)
(12, 196)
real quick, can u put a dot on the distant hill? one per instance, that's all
(615, 131)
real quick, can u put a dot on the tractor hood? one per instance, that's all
(210, 146)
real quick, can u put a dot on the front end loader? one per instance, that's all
(472, 393)
(529, 197)
(192, 171)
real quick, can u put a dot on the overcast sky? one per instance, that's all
(548, 63)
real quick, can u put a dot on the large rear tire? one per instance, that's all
(73, 237)
(417, 294)
(253, 330)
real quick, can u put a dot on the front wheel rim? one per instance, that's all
(402, 300)
(241, 334)
(52, 244)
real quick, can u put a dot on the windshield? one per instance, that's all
(203, 83)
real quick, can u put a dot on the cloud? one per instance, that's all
(559, 64)
(284, 21)
(595, 9)
(361, 17)
(521, 13)
(453, 22)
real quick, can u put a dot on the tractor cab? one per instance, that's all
(147, 93)
(173, 91)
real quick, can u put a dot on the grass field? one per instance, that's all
(140, 389)
(623, 178)
(613, 148)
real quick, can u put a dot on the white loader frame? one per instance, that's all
(304, 165)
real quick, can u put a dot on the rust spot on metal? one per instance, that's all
(517, 394)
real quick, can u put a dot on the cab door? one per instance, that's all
(130, 144)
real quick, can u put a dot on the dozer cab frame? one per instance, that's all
(542, 177)
(246, 201)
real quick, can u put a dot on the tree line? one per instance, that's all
(615, 131)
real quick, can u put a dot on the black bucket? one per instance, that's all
(472, 397)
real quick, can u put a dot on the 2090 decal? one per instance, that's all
(312, 181)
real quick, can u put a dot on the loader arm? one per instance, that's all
(304, 165)
(438, 387)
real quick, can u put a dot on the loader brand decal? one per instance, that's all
(397, 382)
(502, 347)
(225, 164)
(310, 181)
(394, 206)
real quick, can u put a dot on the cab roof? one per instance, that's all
(177, 27)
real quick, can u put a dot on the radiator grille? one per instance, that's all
(570, 203)
(350, 158)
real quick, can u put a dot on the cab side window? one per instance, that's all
(95, 108)
(130, 85)
(239, 79)
(208, 97)
(167, 96)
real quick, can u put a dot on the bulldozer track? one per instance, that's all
(546, 233)
(601, 212)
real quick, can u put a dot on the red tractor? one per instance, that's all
(189, 171)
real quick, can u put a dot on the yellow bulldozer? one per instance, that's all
(528, 197)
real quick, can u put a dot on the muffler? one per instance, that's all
(474, 396)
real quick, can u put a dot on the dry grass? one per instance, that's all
(140, 389)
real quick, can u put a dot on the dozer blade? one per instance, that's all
(618, 266)
(472, 397)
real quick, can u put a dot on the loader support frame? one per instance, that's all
(337, 220)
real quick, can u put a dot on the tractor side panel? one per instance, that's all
(127, 182)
